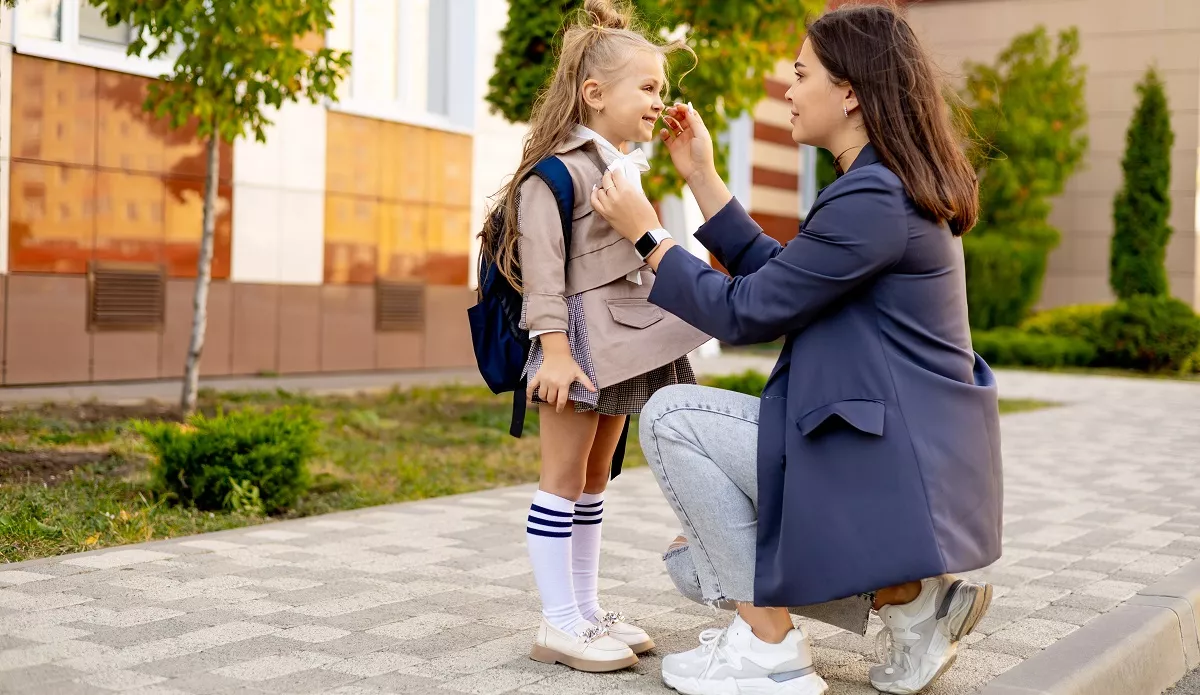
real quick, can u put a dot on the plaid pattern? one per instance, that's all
(625, 398)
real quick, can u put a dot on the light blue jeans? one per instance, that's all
(701, 443)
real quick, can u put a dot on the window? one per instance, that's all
(75, 31)
(93, 27)
(413, 60)
(41, 19)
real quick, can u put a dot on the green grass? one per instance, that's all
(75, 477)
(1022, 405)
(377, 449)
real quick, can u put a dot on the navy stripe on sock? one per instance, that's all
(598, 512)
(548, 512)
(587, 506)
(547, 534)
(544, 522)
(588, 521)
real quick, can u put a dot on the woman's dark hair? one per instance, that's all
(873, 49)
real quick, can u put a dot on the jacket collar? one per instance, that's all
(572, 143)
(866, 156)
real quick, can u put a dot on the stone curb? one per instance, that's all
(1142, 647)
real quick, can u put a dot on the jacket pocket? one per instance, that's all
(864, 415)
(635, 313)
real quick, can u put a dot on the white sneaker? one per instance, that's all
(618, 628)
(733, 660)
(919, 640)
(591, 650)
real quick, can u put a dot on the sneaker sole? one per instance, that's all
(811, 684)
(546, 655)
(894, 689)
(966, 603)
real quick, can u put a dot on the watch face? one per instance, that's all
(646, 244)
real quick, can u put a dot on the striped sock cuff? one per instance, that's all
(589, 513)
(548, 523)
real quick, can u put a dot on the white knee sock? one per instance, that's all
(548, 533)
(585, 553)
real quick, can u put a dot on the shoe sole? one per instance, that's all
(642, 647)
(966, 603)
(811, 684)
(547, 655)
(893, 689)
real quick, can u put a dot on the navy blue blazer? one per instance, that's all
(879, 438)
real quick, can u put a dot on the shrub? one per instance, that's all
(749, 382)
(1148, 333)
(216, 462)
(1028, 111)
(1004, 279)
(1014, 348)
(1142, 206)
(1080, 321)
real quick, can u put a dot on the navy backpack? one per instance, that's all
(501, 345)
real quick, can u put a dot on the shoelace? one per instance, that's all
(610, 618)
(712, 641)
(894, 652)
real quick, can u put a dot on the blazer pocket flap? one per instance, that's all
(635, 313)
(863, 415)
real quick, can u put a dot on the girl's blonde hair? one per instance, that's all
(597, 43)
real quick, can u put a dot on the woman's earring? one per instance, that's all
(846, 110)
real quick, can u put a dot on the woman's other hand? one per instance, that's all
(624, 206)
(689, 142)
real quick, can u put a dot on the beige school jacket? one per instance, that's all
(627, 335)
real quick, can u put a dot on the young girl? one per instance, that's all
(599, 348)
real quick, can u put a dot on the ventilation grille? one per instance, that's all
(126, 298)
(399, 306)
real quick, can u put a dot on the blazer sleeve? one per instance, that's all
(850, 240)
(736, 240)
(543, 258)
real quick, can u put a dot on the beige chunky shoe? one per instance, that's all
(620, 629)
(593, 650)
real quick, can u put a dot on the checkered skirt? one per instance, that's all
(625, 398)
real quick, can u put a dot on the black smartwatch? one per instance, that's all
(650, 241)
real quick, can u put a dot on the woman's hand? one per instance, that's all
(558, 371)
(688, 141)
(624, 206)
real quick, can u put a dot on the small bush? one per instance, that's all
(1004, 278)
(749, 382)
(1079, 321)
(1149, 333)
(245, 460)
(1014, 348)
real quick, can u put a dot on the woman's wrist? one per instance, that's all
(702, 176)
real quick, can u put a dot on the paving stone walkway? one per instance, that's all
(1102, 498)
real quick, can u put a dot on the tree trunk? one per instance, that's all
(191, 374)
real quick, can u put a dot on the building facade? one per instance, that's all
(345, 242)
(1119, 41)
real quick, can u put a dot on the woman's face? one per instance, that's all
(817, 103)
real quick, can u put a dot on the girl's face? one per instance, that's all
(818, 105)
(626, 108)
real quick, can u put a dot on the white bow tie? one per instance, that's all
(631, 167)
(637, 158)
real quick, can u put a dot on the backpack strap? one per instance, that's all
(557, 178)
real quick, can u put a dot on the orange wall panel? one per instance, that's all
(53, 111)
(53, 218)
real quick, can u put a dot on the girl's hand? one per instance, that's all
(553, 381)
(688, 141)
(624, 206)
